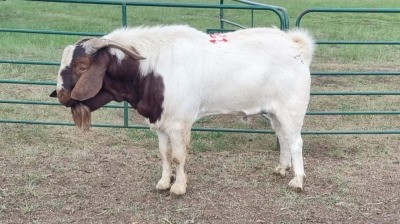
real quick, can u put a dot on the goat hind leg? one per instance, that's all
(285, 159)
(298, 166)
(288, 129)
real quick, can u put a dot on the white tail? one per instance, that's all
(306, 42)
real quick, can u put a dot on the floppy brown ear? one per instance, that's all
(91, 81)
(53, 94)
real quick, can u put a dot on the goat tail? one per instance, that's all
(306, 42)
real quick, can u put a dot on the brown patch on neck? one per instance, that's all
(151, 92)
(144, 92)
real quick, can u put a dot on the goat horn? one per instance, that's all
(92, 45)
(83, 40)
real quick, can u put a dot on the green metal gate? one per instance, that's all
(283, 19)
(278, 11)
(351, 73)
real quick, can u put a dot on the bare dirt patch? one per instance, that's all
(59, 175)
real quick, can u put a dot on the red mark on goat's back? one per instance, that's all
(217, 37)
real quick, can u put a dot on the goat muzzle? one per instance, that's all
(81, 115)
(64, 97)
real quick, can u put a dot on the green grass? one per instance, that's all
(69, 17)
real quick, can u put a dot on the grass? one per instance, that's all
(51, 174)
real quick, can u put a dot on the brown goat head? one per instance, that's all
(81, 74)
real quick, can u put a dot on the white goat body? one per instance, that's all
(254, 71)
(251, 71)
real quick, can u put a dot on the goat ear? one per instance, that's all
(53, 94)
(91, 81)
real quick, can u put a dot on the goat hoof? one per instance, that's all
(163, 185)
(280, 171)
(296, 184)
(178, 189)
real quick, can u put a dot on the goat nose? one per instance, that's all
(64, 97)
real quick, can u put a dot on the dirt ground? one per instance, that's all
(51, 174)
(109, 176)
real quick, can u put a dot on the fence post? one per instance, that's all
(125, 24)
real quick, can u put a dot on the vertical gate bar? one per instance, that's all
(221, 15)
(125, 24)
(124, 18)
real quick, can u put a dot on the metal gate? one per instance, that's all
(282, 17)
(283, 21)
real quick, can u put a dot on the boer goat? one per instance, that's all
(175, 75)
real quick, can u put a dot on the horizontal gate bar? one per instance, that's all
(26, 82)
(210, 129)
(348, 73)
(29, 62)
(346, 10)
(312, 93)
(370, 42)
(50, 32)
(164, 4)
(25, 102)
(354, 93)
(353, 132)
(283, 18)
(353, 113)
(308, 113)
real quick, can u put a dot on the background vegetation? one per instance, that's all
(51, 174)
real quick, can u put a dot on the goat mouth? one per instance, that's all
(64, 97)
(70, 103)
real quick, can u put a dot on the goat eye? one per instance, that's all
(82, 69)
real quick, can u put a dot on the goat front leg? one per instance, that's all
(284, 161)
(179, 142)
(163, 143)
